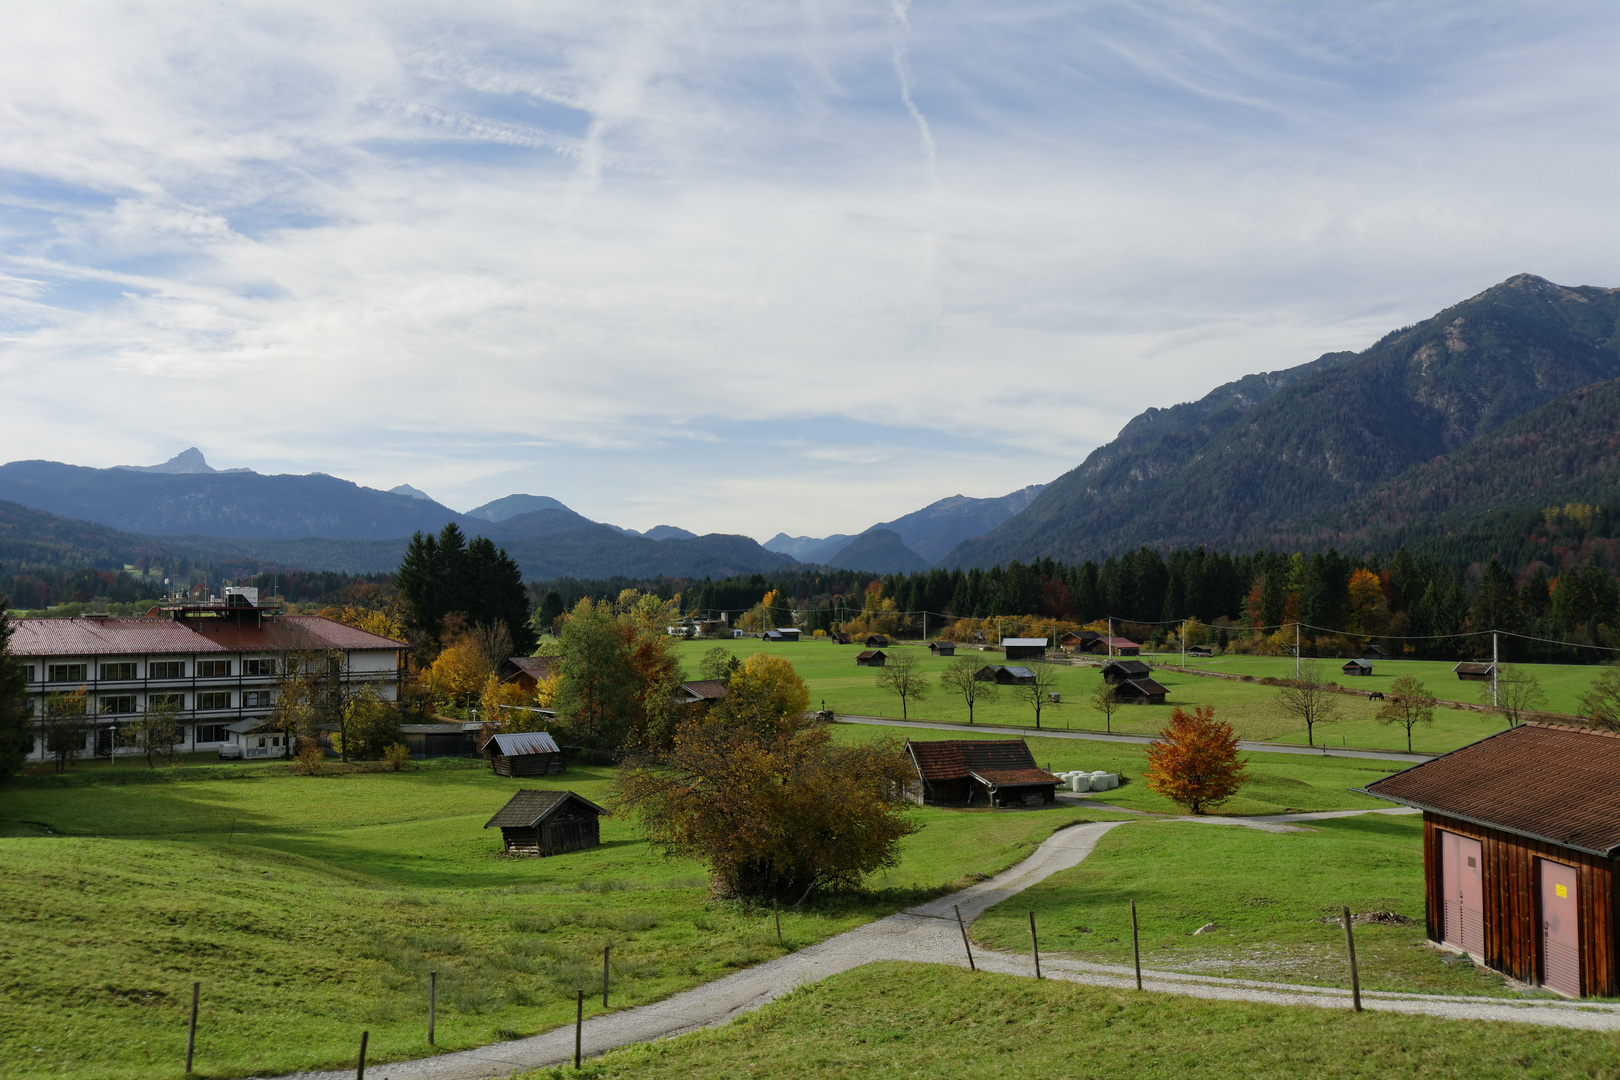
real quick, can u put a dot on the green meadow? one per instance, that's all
(312, 907)
(1250, 707)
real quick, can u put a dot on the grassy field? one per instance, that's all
(313, 907)
(1268, 895)
(1250, 707)
(895, 1020)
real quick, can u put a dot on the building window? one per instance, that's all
(117, 671)
(259, 667)
(157, 701)
(65, 672)
(28, 670)
(217, 699)
(261, 742)
(118, 704)
(166, 669)
(209, 669)
(256, 699)
(212, 733)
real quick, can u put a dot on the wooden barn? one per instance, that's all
(702, 691)
(1116, 646)
(548, 823)
(838, 637)
(1142, 691)
(979, 772)
(786, 634)
(1081, 640)
(525, 753)
(1024, 648)
(527, 671)
(1375, 652)
(871, 658)
(1469, 671)
(877, 641)
(439, 740)
(1362, 666)
(1202, 651)
(1117, 671)
(942, 648)
(1003, 675)
(1521, 833)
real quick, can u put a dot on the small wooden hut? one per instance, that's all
(871, 658)
(525, 753)
(1521, 837)
(942, 648)
(547, 823)
(1469, 671)
(1003, 675)
(438, 740)
(782, 636)
(1117, 671)
(979, 772)
(1140, 692)
(877, 641)
(1375, 652)
(1357, 667)
(1024, 648)
(838, 637)
(1116, 646)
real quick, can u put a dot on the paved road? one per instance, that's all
(1098, 736)
(929, 934)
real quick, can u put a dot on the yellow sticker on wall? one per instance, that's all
(1561, 891)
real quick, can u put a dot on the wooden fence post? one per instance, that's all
(606, 950)
(191, 1036)
(1034, 945)
(1350, 945)
(963, 927)
(579, 1025)
(777, 911)
(360, 1073)
(433, 1002)
(1136, 946)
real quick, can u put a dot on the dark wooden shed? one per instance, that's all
(979, 772)
(942, 648)
(1375, 652)
(525, 753)
(438, 740)
(703, 691)
(1117, 646)
(877, 641)
(1142, 691)
(527, 672)
(782, 636)
(1469, 671)
(1117, 671)
(1357, 667)
(1521, 832)
(1024, 648)
(871, 658)
(548, 823)
(838, 637)
(1081, 640)
(1003, 675)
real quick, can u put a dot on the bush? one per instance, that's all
(311, 758)
(396, 755)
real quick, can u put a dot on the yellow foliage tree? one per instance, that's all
(461, 669)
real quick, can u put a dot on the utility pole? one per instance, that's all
(1495, 702)
(1110, 637)
(1296, 652)
(1184, 644)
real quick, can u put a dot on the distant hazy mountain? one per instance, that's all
(800, 547)
(406, 489)
(547, 522)
(513, 505)
(669, 532)
(878, 551)
(186, 461)
(929, 532)
(1255, 461)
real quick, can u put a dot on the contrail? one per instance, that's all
(903, 72)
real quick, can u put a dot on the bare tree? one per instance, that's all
(1517, 692)
(961, 679)
(1036, 690)
(1409, 704)
(64, 726)
(494, 643)
(902, 676)
(1106, 701)
(157, 730)
(1601, 704)
(1309, 700)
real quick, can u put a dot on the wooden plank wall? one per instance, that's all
(1512, 903)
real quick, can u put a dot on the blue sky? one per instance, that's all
(750, 268)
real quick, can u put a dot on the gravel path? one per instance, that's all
(1141, 740)
(929, 933)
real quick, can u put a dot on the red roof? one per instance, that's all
(954, 759)
(80, 637)
(1545, 781)
(1015, 777)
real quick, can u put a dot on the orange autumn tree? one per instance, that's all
(1195, 762)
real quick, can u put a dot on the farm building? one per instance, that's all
(786, 634)
(548, 823)
(838, 637)
(979, 772)
(1024, 648)
(1117, 671)
(942, 648)
(1142, 691)
(871, 658)
(1115, 646)
(438, 740)
(1072, 640)
(1521, 833)
(1200, 651)
(1375, 652)
(1002, 675)
(527, 672)
(702, 691)
(877, 641)
(1357, 667)
(526, 753)
(1475, 672)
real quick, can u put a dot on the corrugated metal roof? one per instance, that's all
(1546, 781)
(529, 808)
(954, 759)
(1025, 642)
(1147, 686)
(433, 729)
(1127, 667)
(525, 742)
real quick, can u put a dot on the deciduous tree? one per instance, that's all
(902, 676)
(1105, 699)
(1601, 703)
(14, 718)
(1409, 704)
(959, 679)
(156, 732)
(1195, 761)
(1308, 700)
(1518, 693)
(1034, 692)
(65, 726)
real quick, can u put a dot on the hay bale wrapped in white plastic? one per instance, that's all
(1079, 781)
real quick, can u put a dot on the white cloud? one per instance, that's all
(750, 269)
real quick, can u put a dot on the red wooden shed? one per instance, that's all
(1521, 832)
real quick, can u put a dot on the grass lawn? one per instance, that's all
(1250, 707)
(1266, 893)
(894, 1020)
(336, 895)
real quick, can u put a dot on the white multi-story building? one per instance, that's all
(218, 661)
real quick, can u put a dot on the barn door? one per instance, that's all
(1463, 886)
(1560, 929)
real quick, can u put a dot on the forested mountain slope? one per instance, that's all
(1244, 465)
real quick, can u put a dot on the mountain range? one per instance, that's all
(913, 542)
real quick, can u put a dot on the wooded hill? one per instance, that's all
(1292, 457)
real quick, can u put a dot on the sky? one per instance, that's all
(751, 268)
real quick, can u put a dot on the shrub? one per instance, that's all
(396, 755)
